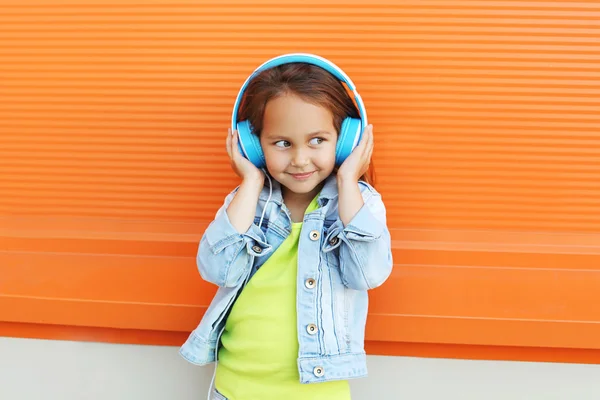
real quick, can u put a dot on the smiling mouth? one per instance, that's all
(303, 176)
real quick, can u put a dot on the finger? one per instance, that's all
(366, 139)
(228, 143)
(235, 149)
(369, 147)
(360, 148)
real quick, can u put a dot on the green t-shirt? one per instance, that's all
(258, 357)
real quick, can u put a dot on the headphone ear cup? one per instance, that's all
(348, 139)
(249, 144)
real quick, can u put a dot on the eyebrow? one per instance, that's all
(319, 132)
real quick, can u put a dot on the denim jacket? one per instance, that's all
(337, 265)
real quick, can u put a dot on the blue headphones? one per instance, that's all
(351, 130)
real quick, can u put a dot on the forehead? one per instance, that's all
(291, 115)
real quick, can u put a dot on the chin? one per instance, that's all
(297, 190)
(302, 187)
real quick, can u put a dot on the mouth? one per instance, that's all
(303, 176)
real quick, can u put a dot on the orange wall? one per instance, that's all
(113, 118)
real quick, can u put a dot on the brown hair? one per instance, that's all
(309, 82)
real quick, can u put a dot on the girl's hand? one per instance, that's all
(358, 161)
(241, 165)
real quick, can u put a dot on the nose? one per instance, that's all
(300, 158)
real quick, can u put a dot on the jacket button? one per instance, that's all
(311, 329)
(257, 249)
(310, 283)
(315, 235)
(318, 371)
(334, 240)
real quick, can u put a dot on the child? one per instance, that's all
(296, 246)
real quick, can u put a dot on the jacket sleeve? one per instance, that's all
(225, 256)
(365, 253)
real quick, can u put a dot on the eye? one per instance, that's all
(316, 141)
(282, 143)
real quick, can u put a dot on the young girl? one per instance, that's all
(296, 246)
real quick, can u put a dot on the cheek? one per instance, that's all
(276, 160)
(326, 155)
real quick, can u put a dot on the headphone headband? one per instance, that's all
(304, 58)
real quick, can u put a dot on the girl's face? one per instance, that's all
(298, 140)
